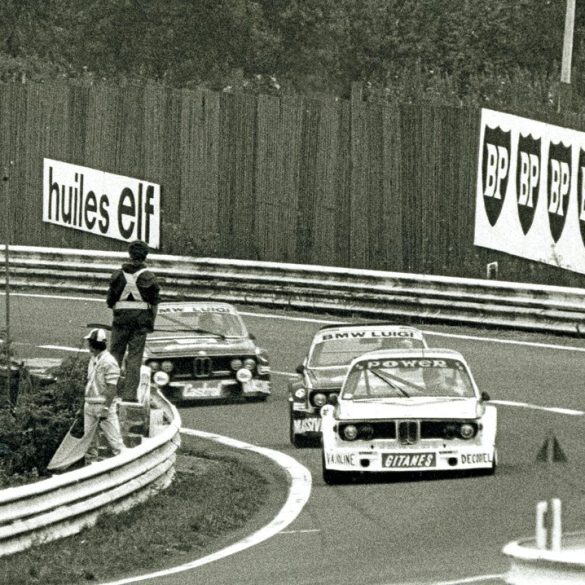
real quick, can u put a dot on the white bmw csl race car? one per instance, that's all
(408, 411)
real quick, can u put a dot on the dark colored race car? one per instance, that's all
(202, 351)
(323, 370)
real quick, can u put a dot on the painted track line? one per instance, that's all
(331, 321)
(298, 495)
(558, 410)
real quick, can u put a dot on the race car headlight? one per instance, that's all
(332, 398)
(249, 363)
(366, 432)
(243, 375)
(167, 366)
(450, 431)
(161, 378)
(300, 393)
(319, 399)
(236, 364)
(467, 431)
(350, 432)
(154, 366)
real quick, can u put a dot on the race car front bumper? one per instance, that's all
(408, 458)
(193, 390)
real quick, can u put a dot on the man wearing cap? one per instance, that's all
(133, 295)
(101, 402)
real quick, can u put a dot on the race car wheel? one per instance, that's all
(261, 398)
(332, 477)
(299, 442)
(491, 470)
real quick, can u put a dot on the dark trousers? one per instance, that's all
(132, 340)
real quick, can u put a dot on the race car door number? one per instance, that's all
(407, 460)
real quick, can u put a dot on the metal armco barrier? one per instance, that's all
(64, 504)
(390, 294)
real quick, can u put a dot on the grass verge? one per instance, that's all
(211, 496)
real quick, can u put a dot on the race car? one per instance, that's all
(322, 371)
(202, 351)
(408, 411)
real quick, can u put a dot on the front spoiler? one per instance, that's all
(307, 426)
(408, 459)
(194, 390)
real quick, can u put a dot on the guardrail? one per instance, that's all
(394, 295)
(530, 565)
(65, 504)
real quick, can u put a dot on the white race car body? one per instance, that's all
(413, 429)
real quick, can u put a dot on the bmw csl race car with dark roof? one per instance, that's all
(203, 351)
(322, 371)
(408, 410)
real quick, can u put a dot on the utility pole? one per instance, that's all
(565, 87)
(8, 230)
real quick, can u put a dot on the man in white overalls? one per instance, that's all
(133, 295)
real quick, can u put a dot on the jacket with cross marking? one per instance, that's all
(129, 311)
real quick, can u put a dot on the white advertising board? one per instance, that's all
(530, 199)
(101, 203)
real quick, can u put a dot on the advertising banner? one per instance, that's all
(530, 190)
(101, 203)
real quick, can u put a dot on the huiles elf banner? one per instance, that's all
(531, 190)
(101, 203)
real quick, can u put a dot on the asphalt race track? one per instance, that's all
(436, 530)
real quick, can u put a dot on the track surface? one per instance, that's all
(381, 532)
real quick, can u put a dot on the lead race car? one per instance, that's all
(322, 371)
(408, 410)
(202, 351)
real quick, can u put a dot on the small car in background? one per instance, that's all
(202, 351)
(408, 411)
(322, 372)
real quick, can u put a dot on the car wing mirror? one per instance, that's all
(300, 369)
(252, 336)
(485, 396)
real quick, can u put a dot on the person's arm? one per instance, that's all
(114, 290)
(111, 376)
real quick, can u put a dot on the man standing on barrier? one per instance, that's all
(133, 295)
(101, 402)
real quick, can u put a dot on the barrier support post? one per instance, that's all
(548, 525)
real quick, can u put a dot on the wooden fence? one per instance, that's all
(288, 179)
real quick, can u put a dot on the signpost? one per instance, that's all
(7, 219)
(565, 88)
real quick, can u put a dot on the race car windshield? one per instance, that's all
(408, 378)
(341, 351)
(221, 324)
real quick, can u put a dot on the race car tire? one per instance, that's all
(297, 441)
(491, 470)
(257, 398)
(331, 476)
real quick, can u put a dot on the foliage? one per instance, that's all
(466, 51)
(223, 494)
(31, 432)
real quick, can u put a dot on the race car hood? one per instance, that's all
(409, 408)
(329, 378)
(188, 344)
